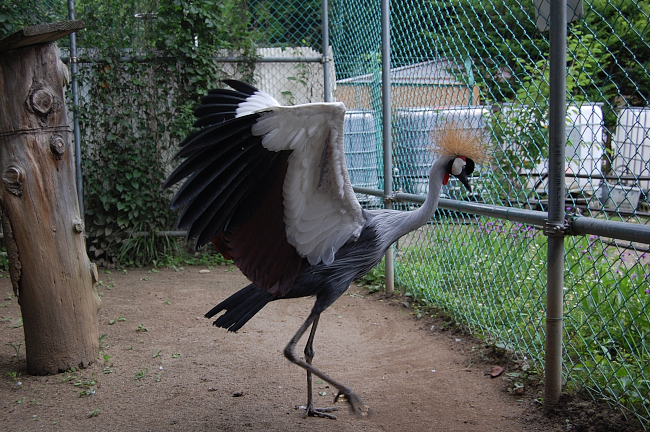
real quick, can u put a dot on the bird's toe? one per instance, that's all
(356, 403)
(311, 411)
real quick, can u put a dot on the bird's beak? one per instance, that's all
(464, 179)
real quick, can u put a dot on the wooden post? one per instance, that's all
(50, 271)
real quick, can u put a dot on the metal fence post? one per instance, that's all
(327, 92)
(387, 131)
(555, 223)
(75, 115)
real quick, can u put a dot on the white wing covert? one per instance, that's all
(321, 211)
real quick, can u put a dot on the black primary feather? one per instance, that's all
(223, 98)
(214, 108)
(214, 119)
(241, 187)
(212, 135)
(206, 156)
(218, 200)
(241, 87)
(212, 180)
(228, 92)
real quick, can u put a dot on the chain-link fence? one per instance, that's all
(483, 65)
(143, 65)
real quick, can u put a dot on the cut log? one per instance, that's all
(40, 34)
(50, 270)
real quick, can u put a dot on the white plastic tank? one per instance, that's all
(632, 145)
(584, 149)
(413, 128)
(361, 153)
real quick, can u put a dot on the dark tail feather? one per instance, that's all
(240, 307)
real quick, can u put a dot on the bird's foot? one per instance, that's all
(356, 404)
(320, 412)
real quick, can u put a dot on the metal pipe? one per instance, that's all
(582, 225)
(159, 234)
(579, 225)
(617, 230)
(75, 116)
(146, 59)
(591, 176)
(557, 143)
(327, 92)
(500, 212)
(295, 59)
(387, 132)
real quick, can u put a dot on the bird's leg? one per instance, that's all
(355, 401)
(309, 356)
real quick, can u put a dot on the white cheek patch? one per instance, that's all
(457, 166)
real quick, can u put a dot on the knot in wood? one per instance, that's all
(78, 224)
(12, 178)
(41, 101)
(57, 146)
(93, 273)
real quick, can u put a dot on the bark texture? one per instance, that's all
(49, 267)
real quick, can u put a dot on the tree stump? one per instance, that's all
(50, 271)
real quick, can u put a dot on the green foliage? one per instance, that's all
(146, 64)
(202, 258)
(610, 47)
(4, 260)
(17, 14)
(358, 40)
(520, 129)
(622, 26)
(144, 249)
(287, 23)
(498, 36)
(142, 373)
(492, 277)
(608, 321)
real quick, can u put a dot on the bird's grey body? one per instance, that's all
(355, 259)
(268, 185)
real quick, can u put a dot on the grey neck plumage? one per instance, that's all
(415, 219)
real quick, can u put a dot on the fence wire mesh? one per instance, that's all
(484, 65)
(480, 64)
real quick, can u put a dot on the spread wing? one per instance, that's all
(267, 184)
(321, 212)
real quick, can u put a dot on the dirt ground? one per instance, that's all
(166, 368)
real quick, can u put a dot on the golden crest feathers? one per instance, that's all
(457, 140)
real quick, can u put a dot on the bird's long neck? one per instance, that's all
(415, 219)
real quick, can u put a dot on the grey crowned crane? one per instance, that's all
(268, 186)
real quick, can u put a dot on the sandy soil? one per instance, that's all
(183, 374)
